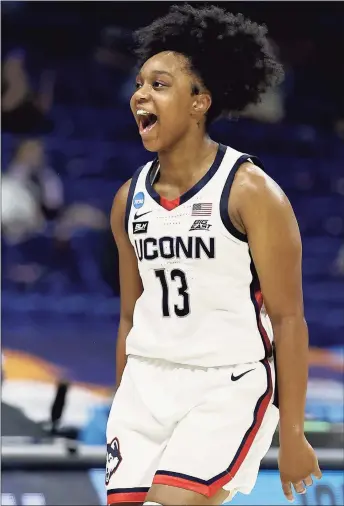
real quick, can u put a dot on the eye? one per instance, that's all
(157, 84)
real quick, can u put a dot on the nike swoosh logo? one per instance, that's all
(137, 216)
(236, 378)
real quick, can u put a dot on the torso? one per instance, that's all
(201, 303)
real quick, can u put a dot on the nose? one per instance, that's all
(142, 94)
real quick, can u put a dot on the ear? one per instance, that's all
(201, 104)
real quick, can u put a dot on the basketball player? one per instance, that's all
(210, 272)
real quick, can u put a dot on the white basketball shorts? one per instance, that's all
(196, 428)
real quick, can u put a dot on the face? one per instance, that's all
(164, 107)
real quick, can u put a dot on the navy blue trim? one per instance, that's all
(130, 196)
(198, 186)
(227, 472)
(225, 195)
(254, 287)
(183, 476)
(127, 490)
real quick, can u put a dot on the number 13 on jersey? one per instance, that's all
(174, 280)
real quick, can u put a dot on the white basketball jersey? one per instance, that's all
(201, 303)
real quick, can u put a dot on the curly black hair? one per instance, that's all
(229, 53)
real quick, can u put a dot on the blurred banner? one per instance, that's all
(41, 474)
(23, 488)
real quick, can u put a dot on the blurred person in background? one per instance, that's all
(32, 196)
(30, 169)
(24, 110)
(48, 233)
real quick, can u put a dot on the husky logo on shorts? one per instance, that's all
(113, 459)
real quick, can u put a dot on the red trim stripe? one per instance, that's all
(169, 204)
(259, 299)
(126, 497)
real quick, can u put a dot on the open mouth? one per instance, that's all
(147, 122)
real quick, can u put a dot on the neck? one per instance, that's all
(186, 159)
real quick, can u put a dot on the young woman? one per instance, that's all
(210, 272)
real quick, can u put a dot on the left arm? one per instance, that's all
(275, 245)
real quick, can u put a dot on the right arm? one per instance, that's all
(130, 281)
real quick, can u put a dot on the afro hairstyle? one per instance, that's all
(229, 53)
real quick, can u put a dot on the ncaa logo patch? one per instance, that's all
(113, 459)
(139, 200)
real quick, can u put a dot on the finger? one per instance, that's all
(299, 487)
(308, 481)
(317, 472)
(287, 490)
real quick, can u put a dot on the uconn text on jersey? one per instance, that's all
(174, 247)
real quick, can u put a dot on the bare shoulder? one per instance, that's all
(254, 194)
(251, 182)
(253, 188)
(118, 209)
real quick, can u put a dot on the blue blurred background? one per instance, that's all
(69, 142)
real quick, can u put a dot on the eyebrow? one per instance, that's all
(159, 72)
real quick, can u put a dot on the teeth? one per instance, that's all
(142, 112)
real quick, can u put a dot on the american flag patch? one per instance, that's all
(202, 209)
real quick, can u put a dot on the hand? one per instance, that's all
(297, 462)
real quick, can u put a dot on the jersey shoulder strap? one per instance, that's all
(236, 159)
(140, 173)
